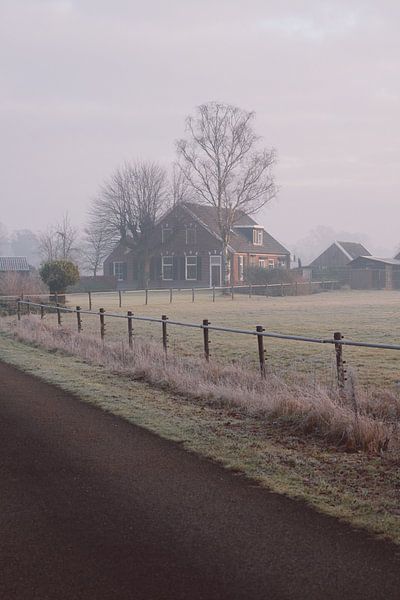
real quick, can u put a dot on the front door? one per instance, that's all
(215, 271)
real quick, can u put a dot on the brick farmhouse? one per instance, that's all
(186, 251)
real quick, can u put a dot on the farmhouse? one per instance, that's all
(334, 261)
(186, 251)
(14, 265)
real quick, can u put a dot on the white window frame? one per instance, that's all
(241, 268)
(166, 265)
(192, 229)
(215, 261)
(261, 263)
(119, 275)
(164, 236)
(271, 263)
(194, 263)
(257, 237)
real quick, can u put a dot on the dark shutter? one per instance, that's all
(158, 268)
(175, 268)
(199, 272)
(181, 268)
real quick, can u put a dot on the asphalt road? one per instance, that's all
(92, 507)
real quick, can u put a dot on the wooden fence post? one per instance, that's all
(282, 290)
(192, 294)
(56, 297)
(90, 300)
(120, 298)
(102, 323)
(261, 351)
(41, 311)
(232, 294)
(206, 339)
(250, 290)
(146, 296)
(339, 360)
(297, 288)
(28, 306)
(164, 319)
(79, 318)
(58, 314)
(213, 293)
(130, 329)
(19, 309)
(170, 295)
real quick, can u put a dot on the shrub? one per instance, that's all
(260, 275)
(59, 274)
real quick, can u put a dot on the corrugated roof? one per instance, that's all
(238, 242)
(13, 263)
(354, 249)
(386, 261)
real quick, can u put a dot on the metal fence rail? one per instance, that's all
(338, 341)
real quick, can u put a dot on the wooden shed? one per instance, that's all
(374, 273)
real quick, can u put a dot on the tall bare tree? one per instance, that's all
(221, 160)
(59, 241)
(97, 245)
(128, 206)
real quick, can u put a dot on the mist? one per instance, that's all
(86, 85)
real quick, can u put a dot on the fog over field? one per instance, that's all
(87, 84)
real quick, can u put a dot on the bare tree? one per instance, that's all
(180, 190)
(97, 245)
(221, 161)
(59, 241)
(3, 239)
(128, 206)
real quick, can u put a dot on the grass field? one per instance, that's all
(362, 316)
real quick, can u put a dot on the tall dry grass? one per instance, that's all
(352, 420)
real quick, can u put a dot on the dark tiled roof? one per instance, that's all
(13, 263)
(354, 249)
(238, 242)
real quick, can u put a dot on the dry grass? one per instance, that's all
(361, 316)
(354, 421)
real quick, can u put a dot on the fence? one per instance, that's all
(295, 288)
(337, 340)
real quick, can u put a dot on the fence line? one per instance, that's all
(293, 287)
(337, 340)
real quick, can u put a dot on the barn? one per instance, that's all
(374, 273)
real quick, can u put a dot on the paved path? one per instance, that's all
(94, 508)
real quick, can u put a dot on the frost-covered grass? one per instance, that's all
(356, 420)
(371, 316)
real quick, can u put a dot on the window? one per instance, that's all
(257, 237)
(271, 263)
(167, 268)
(261, 263)
(119, 270)
(191, 268)
(240, 268)
(166, 233)
(190, 236)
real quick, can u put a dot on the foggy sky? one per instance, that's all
(88, 84)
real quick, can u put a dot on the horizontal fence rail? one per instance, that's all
(338, 341)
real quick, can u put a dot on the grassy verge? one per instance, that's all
(358, 487)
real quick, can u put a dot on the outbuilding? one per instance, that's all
(374, 273)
